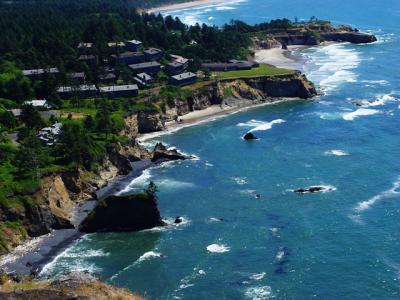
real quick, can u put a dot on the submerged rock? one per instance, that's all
(250, 136)
(178, 220)
(123, 213)
(314, 189)
(161, 153)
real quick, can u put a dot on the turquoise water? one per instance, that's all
(342, 244)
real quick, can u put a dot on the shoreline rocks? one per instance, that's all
(123, 213)
(249, 136)
(314, 189)
(161, 154)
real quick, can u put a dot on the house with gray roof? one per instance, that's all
(183, 79)
(150, 67)
(115, 91)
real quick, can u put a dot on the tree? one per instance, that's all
(152, 190)
(7, 119)
(31, 117)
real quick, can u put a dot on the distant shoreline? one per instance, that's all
(184, 5)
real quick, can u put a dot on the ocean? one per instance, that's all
(340, 244)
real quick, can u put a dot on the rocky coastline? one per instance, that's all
(62, 201)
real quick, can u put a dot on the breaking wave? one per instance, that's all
(260, 125)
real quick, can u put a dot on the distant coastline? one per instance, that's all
(184, 5)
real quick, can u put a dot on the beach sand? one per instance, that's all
(185, 5)
(280, 58)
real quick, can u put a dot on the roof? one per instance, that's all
(152, 51)
(37, 103)
(39, 71)
(116, 44)
(144, 76)
(76, 75)
(144, 65)
(179, 59)
(128, 54)
(135, 42)
(174, 64)
(107, 76)
(184, 76)
(16, 111)
(117, 88)
(83, 87)
(87, 57)
(85, 45)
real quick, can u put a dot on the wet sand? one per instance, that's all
(184, 5)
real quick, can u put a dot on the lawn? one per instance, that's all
(262, 70)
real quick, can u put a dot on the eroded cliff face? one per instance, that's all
(245, 91)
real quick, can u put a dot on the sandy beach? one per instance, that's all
(280, 58)
(178, 6)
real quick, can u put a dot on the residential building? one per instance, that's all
(108, 78)
(49, 135)
(177, 66)
(41, 104)
(133, 45)
(34, 73)
(152, 54)
(89, 58)
(114, 91)
(183, 79)
(116, 47)
(151, 67)
(78, 77)
(128, 58)
(144, 80)
(81, 91)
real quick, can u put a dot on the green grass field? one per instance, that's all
(262, 70)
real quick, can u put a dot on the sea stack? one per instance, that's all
(124, 213)
(250, 136)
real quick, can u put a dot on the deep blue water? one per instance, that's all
(342, 244)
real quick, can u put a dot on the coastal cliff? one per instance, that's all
(51, 205)
(240, 92)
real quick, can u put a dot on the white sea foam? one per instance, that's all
(336, 152)
(280, 255)
(258, 276)
(148, 255)
(390, 193)
(214, 220)
(240, 180)
(379, 82)
(260, 125)
(360, 112)
(381, 100)
(259, 293)
(218, 248)
(225, 8)
(335, 64)
(174, 184)
(171, 221)
(138, 182)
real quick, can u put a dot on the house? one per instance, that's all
(35, 73)
(183, 79)
(144, 80)
(181, 60)
(41, 104)
(49, 135)
(116, 47)
(16, 112)
(174, 68)
(114, 91)
(108, 78)
(78, 77)
(85, 47)
(151, 67)
(133, 45)
(177, 66)
(89, 58)
(232, 65)
(81, 91)
(128, 58)
(152, 54)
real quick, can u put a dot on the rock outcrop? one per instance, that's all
(161, 154)
(250, 136)
(123, 213)
(149, 122)
(71, 286)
